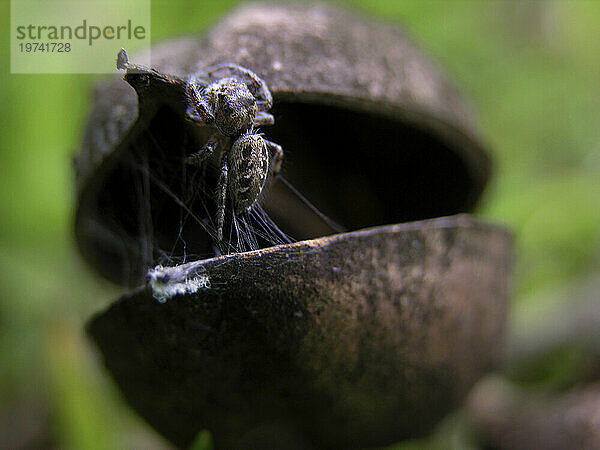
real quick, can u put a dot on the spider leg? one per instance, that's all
(256, 84)
(199, 102)
(277, 151)
(205, 152)
(197, 81)
(263, 118)
(221, 197)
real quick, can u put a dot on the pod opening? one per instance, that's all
(357, 169)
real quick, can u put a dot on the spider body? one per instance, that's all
(234, 104)
(231, 101)
(249, 159)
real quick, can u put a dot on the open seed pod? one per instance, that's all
(352, 340)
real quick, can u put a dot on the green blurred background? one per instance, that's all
(531, 71)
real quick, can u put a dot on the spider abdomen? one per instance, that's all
(249, 170)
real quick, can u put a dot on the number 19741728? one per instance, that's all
(50, 47)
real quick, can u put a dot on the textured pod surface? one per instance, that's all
(353, 340)
(373, 132)
(349, 341)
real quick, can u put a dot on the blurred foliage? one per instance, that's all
(562, 368)
(203, 441)
(531, 70)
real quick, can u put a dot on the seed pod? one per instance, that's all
(347, 341)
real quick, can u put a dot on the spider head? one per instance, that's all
(235, 107)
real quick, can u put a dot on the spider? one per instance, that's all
(233, 105)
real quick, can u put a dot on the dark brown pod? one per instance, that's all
(352, 340)
(372, 131)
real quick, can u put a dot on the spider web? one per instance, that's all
(172, 205)
(167, 208)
